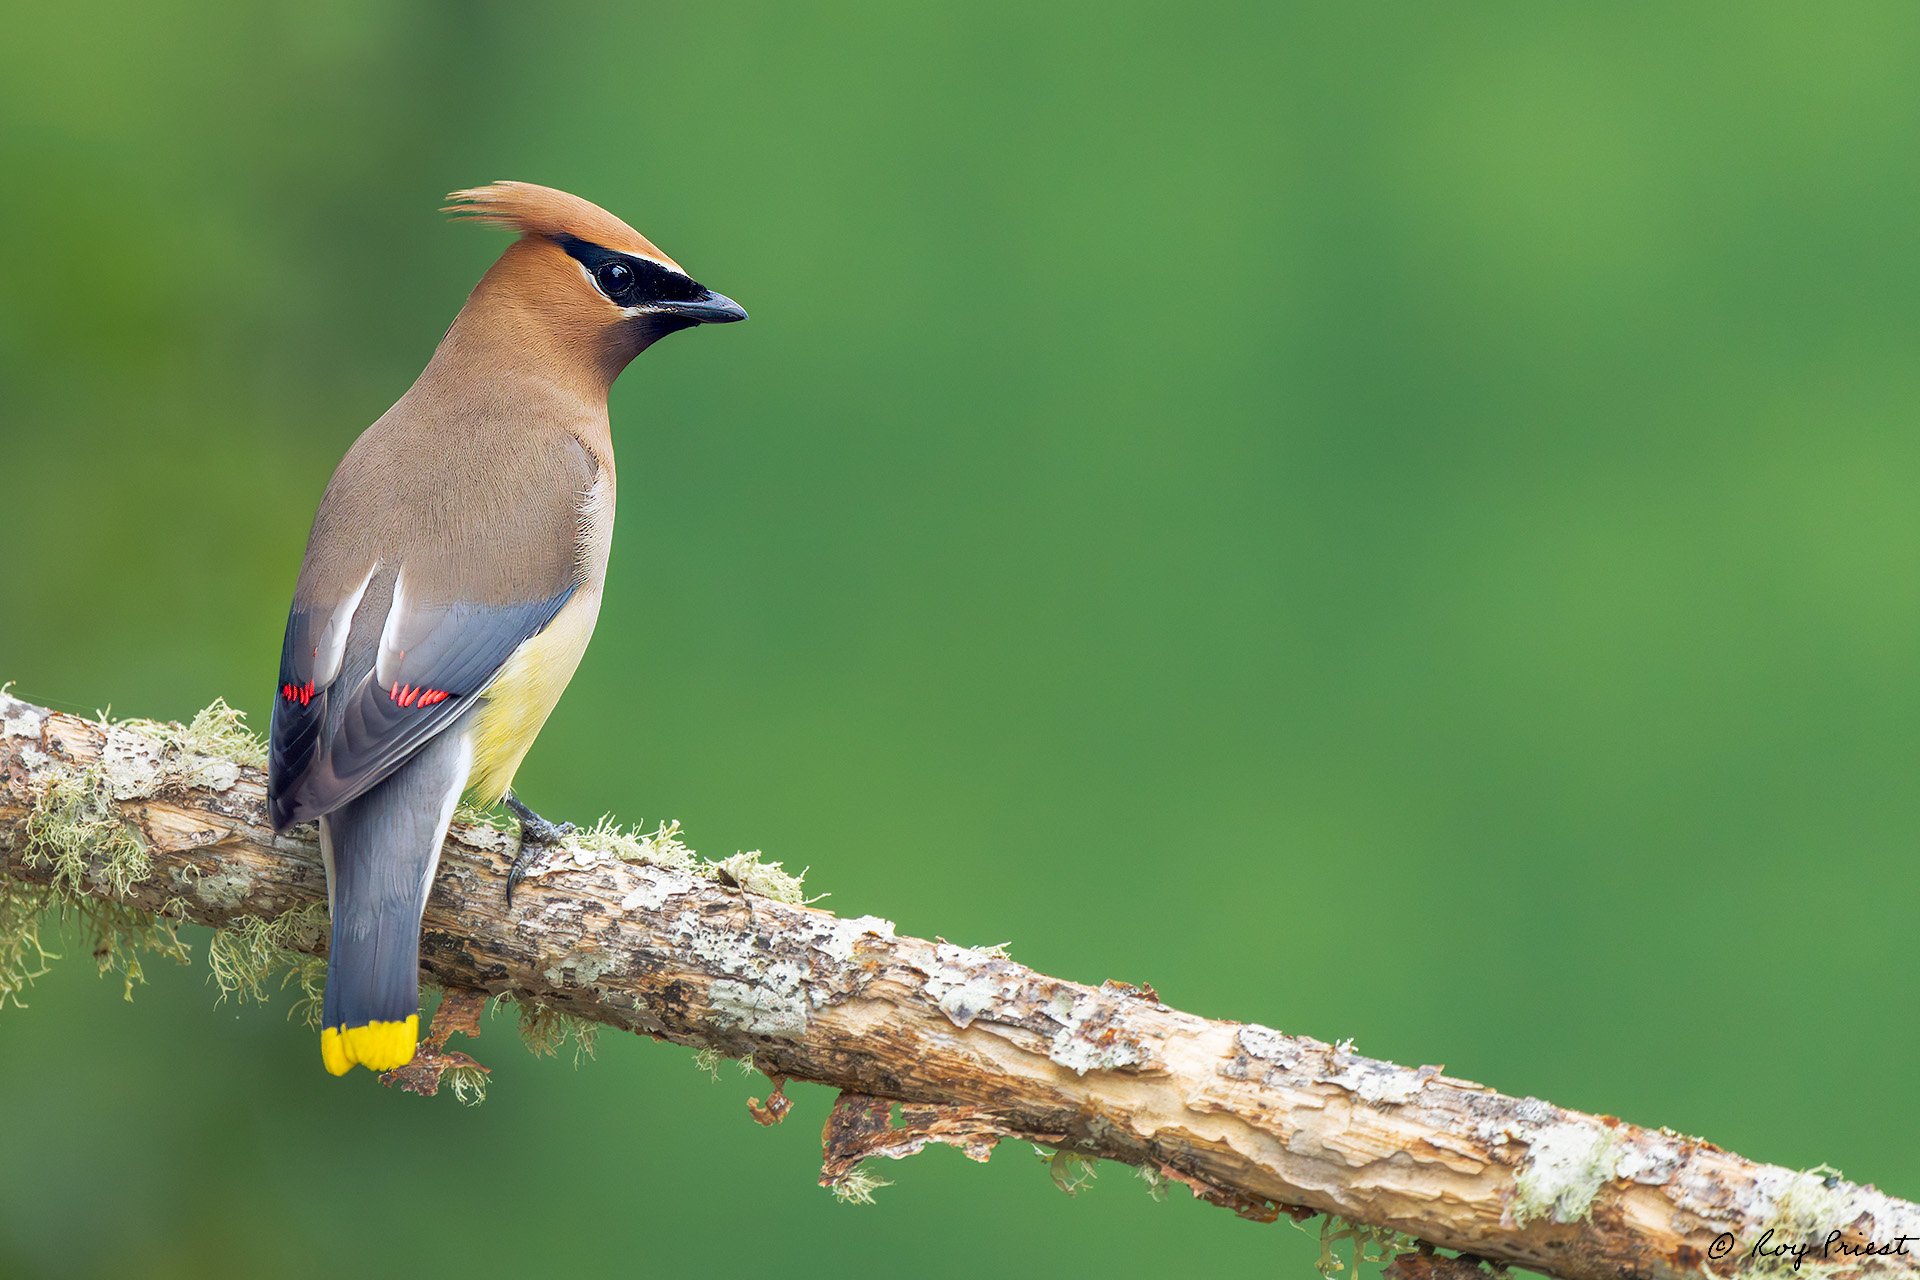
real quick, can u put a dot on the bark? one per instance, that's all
(974, 1048)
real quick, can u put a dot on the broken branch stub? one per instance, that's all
(776, 1107)
(459, 1011)
(861, 1127)
(972, 1045)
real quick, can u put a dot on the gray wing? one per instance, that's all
(330, 743)
(438, 550)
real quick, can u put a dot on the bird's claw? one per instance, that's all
(536, 833)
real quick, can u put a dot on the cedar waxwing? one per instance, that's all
(451, 583)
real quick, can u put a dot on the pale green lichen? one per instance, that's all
(750, 873)
(1070, 1170)
(471, 814)
(217, 730)
(23, 957)
(121, 933)
(858, 1186)
(709, 1060)
(117, 936)
(76, 833)
(75, 830)
(1156, 1183)
(469, 1085)
(775, 1005)
(245, 956)
(1371, 1244)
(545, 1029)
(1567, 1164)
(663, 847)
(1806, 1207)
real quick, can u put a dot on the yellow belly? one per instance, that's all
(521, 697)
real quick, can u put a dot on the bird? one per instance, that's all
(451, 583)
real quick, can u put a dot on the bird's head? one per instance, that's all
(580, 279)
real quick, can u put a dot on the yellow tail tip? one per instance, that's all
(378, 1046)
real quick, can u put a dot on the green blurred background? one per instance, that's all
(1384, 521)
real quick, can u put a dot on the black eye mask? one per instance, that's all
(630, 281)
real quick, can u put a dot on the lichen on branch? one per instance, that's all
(138, 829)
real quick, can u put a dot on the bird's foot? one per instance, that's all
(536, 833)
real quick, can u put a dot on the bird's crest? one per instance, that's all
(542, 211)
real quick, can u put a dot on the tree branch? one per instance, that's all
(975, 1047)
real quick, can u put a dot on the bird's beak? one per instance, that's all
(714, 308)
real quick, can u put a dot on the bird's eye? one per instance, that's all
(614, 278)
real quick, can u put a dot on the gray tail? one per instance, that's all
(381, 850)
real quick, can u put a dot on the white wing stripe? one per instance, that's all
(332, 646)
